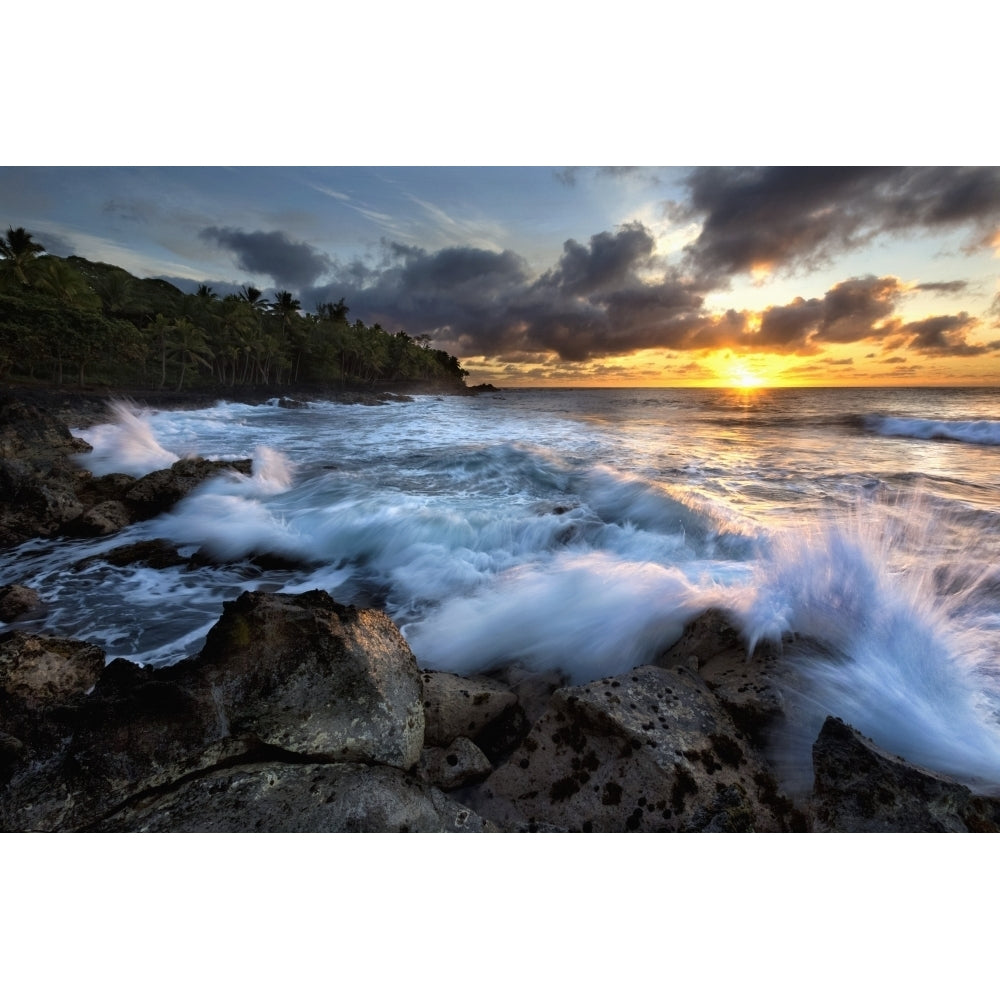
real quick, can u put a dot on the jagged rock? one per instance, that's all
(96, 489)
(292, 674)
(313, 676)
(16, 600)
(462, 763)
(461, 706)
(749, 685)
(281, 797)
(105, 518)
(155, 553)
(43, 682)
(34, 504)
(43, 672)
(31, 433)
(861, 788)
(37, 474)
(159, 491)
(648, 750)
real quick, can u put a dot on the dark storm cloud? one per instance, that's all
(607, 262)
(946, 335)
(856, 309)
(291, 265)
(788, 217)
(605, 297)
(853, 310)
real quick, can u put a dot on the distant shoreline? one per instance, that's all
(78, 407)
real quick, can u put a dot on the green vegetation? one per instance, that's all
(71, 319)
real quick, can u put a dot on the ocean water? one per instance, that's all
(579, 530)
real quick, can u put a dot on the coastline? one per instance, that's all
(677, 744)
(84, 407)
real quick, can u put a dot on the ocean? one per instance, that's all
(578, 530)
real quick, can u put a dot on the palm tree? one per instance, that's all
(20, 248)
(189, 345)
(252, 295)
(63, 282)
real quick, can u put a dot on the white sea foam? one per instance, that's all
(589, 615)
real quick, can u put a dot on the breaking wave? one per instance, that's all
(986, 432)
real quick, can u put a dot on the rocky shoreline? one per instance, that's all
(302, 714)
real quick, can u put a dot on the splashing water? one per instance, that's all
(128, 445)
(580, 531)
(887, 651)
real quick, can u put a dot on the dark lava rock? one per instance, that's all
(155, 553)
(16, 600)
(748, 685)
(159, 491)
(650, 750)
(286, 675)
(861, 788)
(282, 797)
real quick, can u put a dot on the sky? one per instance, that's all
(482, 231)
(556, 275)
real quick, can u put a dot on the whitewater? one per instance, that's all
(578, 531)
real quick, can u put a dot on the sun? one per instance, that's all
(741, 377)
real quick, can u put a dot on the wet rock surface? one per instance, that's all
(650, 750)
(302, 714)
(280, 797)
(16, 600)
(862, 788)
(44, 492)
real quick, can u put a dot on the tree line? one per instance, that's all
(75, 320)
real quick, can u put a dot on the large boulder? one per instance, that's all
(16, 600)
(160, 490)
(105, 518)
(861, 788)
(38, 477)
(27, 432)
(650, 750)
(277, 797)
(313, 676)
(292, 677)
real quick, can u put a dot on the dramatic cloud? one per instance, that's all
(853, 310)
(291, 265)
(759, 219)
(610, 296)
(946, 335)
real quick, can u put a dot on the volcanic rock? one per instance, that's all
(105, 518)
(748, 685)
(461, 706)
(861, 788)
(650, 750)
(279, 675)
(160, 490)
(462, 763)
(16, 600)
(279, 797)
